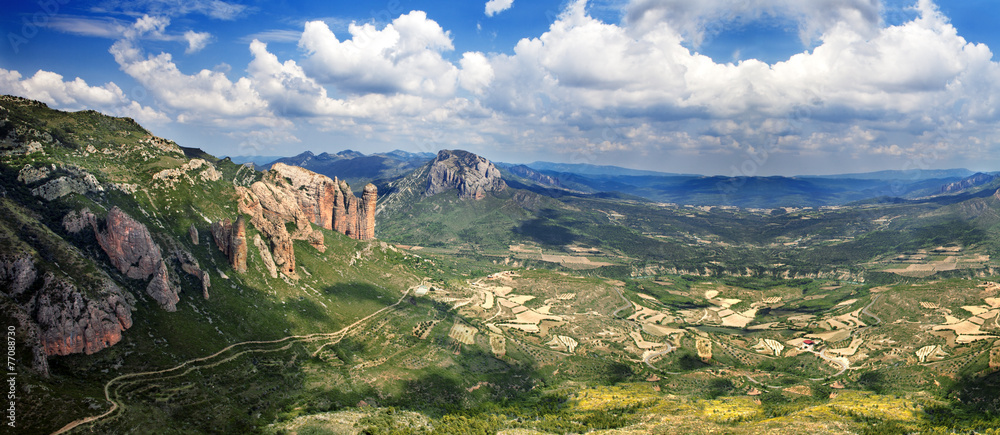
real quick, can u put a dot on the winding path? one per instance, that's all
(869, 313)
(647, 358)
(118, 406)
(840, 361)
(627, 302)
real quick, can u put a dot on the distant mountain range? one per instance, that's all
(357, 168)
(912, 174)
(558, 179)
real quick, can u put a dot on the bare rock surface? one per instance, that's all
(231, 238)
(472, 175)
(132, 251)
(60, 318)
(313, 192)
(71, 323)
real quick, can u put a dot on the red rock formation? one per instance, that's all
(238, 242)
(324, 202)
(314, 192)
(339, 209)
(73, 323)
(231, 238)
(129, 245)
(284, 255)
(366, 220)
(269, 210)
(354, 217)
(160, 289)
(132, 251)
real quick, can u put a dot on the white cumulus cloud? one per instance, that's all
(50, 88)
(494, 7)
(196, 40)
(404, 56)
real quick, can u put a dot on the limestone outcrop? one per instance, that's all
(168, 178)
(265, 255)
(74, 180)
(977, 179)
(78, 220)
(132, 251)
(473, 176)
(231, 238)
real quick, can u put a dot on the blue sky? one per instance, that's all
(730, 87)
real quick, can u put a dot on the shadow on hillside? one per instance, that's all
(544, 230)
(477, 379)
(975, 404)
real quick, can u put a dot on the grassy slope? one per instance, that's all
(388, 366)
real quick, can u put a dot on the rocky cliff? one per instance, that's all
(330, 203)
(72, 323)
(533, 175)
(189, 265)
(132, 251)
(354, 217)
(271, 206)
(366, 217)
(292, 195)
(314, 193)
(231, 238)
(61, 303)
(977, 179)
(473, 176)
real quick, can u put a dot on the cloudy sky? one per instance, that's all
(730, 87)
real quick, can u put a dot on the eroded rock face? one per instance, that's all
(78, 220)
(79, 182)
(313, 192)
(59, 318)
(72, 323)
(129, 245)
(352, 216)
(132, 251)
(189, 265)
(29, 174)
(268, 212)
(366, 219)
(265, 255)
(17, 274)
(231, 238)
(472, 175)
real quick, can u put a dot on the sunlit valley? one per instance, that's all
(387, 226)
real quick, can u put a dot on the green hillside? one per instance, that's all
(514, 313)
